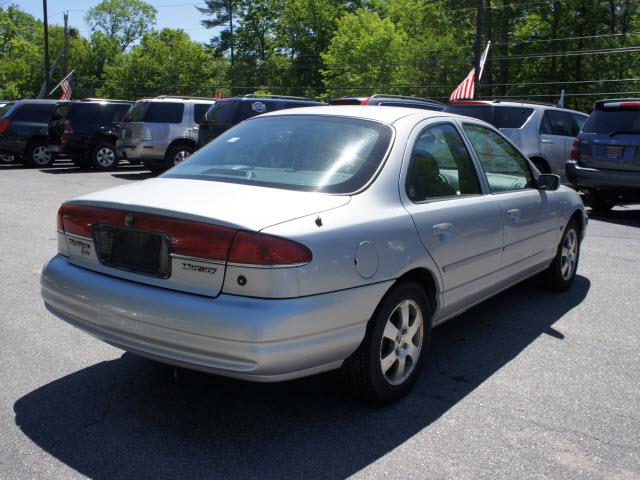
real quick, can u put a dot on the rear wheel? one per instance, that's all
(541, 165)
(388, 361)
(599, 202)
(562, 271)
(104, 156)
(176, 154)
(37, 155)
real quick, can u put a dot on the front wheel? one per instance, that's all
(562, 271)
(388, 361)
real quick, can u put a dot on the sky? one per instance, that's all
(170, 13)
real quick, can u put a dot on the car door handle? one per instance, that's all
(442, 231)
(546, 141)
(514, 212)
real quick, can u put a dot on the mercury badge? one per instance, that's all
(128, 220)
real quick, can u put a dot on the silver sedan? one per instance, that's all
(313, 239)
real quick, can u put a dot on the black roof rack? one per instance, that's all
(283, 97)
(524, 100)
(93, 99)
(186, 97)
(403, 97)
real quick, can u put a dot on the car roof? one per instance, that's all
(37, 100)
(388, 115)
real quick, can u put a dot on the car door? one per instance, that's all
(460, 227)
(530, 216)
(557, 131)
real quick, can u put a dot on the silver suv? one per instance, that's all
(161, 131)
(542, 131)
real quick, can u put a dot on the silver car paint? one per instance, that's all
(477, 261)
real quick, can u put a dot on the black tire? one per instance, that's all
(34, 155)
(599, 202)
(363, 371)
(176, 151)
(555, 278)
(104, 156)
(541, 165)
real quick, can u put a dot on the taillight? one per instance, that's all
(67, 127)
(4, 124)
(575, 150)
(260, 249)
(365, 101)
(59, 220)
(188, 237)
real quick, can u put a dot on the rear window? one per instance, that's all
(481, 112)
(4, 110)
(223, 111)
(199, 110)
(346, 101)
(294, 152)
(163, 112)
(34, 112)
(613, 120)
(510, 117)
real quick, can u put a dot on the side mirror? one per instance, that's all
(548, 181)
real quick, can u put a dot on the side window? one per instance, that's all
(505, 167)
(164, 112)
(34, 112)
(199, 109)
(556, 122)
(440, 166)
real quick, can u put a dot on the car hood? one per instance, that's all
(230, 204)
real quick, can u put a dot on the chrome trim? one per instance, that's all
(196, 259)
(249, 265)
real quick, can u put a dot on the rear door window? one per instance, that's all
(555, 122)
(510, 117)
(164, 112)
(85, 113)
(199, 110)
(34, 113)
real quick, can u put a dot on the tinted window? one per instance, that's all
(555, 122)
(510, 117)
(481, 112)
(346, 101)
(163, 112)
(505, 167)
(134, 114)
(255, 107)
(5, 109)
(223, 111)
(199, 110)
(119, 112)
(85, 113)
(612, 120)
(440, 166)
(34, 112)
(296, 152)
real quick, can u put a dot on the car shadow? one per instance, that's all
(620, 215)
(135, 176)
(133, 418)
(66, 168)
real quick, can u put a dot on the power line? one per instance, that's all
(562, 39)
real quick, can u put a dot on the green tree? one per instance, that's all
(122, 20)
(223, 13)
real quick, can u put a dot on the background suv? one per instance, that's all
(86, 131)
(161, 131)
(23, 131)
(543, 132)
(390, 101)
(605, 159)
(227, 112)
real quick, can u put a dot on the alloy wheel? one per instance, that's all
(569, 254)
(41, 156)
(180, 156)
(105, 157)
(401, 342)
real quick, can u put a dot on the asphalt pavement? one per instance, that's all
(526, 385)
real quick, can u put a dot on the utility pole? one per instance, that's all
(478, 46)
(46, 46)
(66, 44)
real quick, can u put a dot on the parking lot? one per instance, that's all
(527, 385)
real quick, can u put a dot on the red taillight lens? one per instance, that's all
(67, 127)
(4, 124)
(575, 150)
(261, 249)
(188, 237)
(365, 101)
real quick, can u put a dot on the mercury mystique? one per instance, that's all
(313, 239)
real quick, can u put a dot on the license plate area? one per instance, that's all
(613, 152)
(139, 251)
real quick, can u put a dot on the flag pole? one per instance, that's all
(56, 87)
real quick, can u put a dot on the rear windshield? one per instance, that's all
(481, 112)
(199, 111)
(5, 109)
(223, 111)
(613, 120)
(510, 117)
(294, 152)
(346, 101)
(34, 112)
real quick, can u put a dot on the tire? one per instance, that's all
(104, 156)
(541, 165)
(562, 272)
(37, 155)
(176, 154)
(385, 344)
(599, 202)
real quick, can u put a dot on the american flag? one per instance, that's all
(466, 89)
(66, 87)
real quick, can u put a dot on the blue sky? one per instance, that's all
(171, 13)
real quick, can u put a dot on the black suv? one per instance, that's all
(86, 131)
(390, 101)
(227, 112)
(23, 131)
(605, 158)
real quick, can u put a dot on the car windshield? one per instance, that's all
(294, 152)
(612, 121)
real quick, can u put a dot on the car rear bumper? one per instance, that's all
(254, 339)
(613, 180)
(142, 150)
